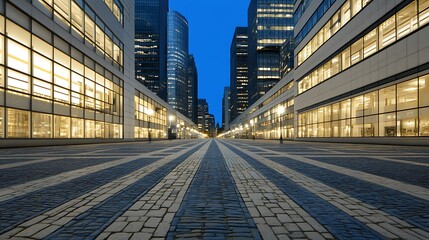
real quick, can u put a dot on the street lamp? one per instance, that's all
(280, 111)
(149, 112)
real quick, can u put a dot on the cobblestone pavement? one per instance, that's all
(215, 189)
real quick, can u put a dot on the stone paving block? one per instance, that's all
(32, 230)
(119, 236)
(133, 227)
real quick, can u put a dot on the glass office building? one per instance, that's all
(63, 78)
(177, 62)
(239, 72)
(270, 23)
(49, 87)
(360, 74)
(151, 45)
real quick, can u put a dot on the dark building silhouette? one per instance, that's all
(239, 72)
(270, 23)
(151, 45)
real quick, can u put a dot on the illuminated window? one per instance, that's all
(357, 127)
(387, 99)
(18, 81)
(370, 128)
(18, 33)
(89, 129)
(345, 109)
(18, 56)
(424, 122)
(357, 51)
(356, 6)
(424, 91)
(345, 59)
(42, 125)
(407, 94)
(371, 103)
(407, 123)
(1, 122)
(357, 106)
(370, 43)
(407, 20)
(77, 18)
(18, 123)
(77, 128)
(89, 29)
(61, 127)
(387, 125)
(345, 12)
(1, 50)
(423, 12)
(387, 32)
(42, 67)
(42, 89)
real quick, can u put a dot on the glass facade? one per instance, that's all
(270, 24)
(239, 73)
(151, 45)
(192, 90)
(49, 88)
(177, 62)
(348, 10)
(400, 110)
(150, 116)
(405, 21)
(81, 21)
(117, 9)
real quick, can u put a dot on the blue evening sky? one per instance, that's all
(211, 27)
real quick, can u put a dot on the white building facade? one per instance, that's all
(67, 75)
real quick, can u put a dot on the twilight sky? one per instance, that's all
(211, 27)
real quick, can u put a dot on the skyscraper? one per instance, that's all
(151, 45)
(226, 111)
(177, 62)
(192, 89)
(203, 111)
(270, 24)
(239, 72)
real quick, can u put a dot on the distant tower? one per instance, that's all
(192, 90)
(203, 111)
(177, 62)
(151, 45)
(239, 73)
(270, 24)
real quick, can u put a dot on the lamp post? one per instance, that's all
(150, 112)
(280, 111)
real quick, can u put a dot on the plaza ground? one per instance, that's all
(215, 189)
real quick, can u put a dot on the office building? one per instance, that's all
(192, 89)
(63, 77)
(270, 23)
(361, 75)
(177, 62)
(203, 109)
(239, 72)
(226, 112)
(151, 45)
